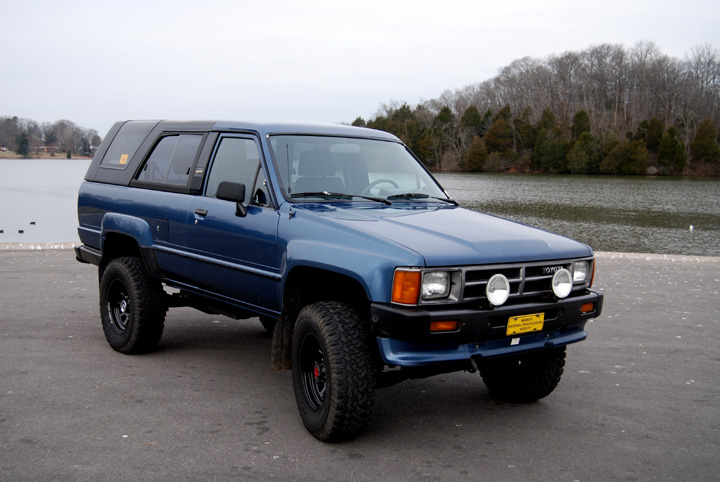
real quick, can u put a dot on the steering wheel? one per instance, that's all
(366, 191)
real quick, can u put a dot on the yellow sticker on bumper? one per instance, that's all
(525, 324)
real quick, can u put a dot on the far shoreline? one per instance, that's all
(60, 156)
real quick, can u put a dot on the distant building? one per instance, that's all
(52, 149)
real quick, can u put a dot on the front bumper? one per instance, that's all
(404, 336)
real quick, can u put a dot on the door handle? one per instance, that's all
(201, 212)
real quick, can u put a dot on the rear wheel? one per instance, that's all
(131, 306)
(525, 377)
(333, 372)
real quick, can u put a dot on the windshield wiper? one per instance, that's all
(326, 194)
(420, 195)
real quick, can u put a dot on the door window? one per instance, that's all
(238, 160)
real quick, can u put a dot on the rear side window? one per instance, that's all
(126, 143)
(171, 160)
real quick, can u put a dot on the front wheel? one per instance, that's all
(131, 306)
(332, 370)
(525, 377)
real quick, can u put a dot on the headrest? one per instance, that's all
(316, 164)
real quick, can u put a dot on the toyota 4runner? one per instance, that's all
(343, 245)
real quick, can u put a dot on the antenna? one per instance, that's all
(287, 158)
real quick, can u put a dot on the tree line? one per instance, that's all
(604, 110)
(25, 135)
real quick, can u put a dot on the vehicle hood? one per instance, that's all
(449, 235)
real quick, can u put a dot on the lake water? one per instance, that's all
(626, 214)
(640, 215)
(43, 192)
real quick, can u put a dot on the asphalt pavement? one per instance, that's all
(639, 400)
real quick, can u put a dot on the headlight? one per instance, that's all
(562, 283)
(581, 271)
(435, 285)
(498, 289)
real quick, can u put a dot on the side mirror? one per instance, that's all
(235, 192)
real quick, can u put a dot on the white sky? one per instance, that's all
(94, 62)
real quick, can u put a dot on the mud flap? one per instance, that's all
(281, 353)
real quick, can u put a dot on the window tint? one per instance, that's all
(236, 160)
(171, 160)
(126, 143)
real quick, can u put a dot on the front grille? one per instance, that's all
(527, 281)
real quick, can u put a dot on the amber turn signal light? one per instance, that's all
(587, 308)
(443, 326)
(406, 287)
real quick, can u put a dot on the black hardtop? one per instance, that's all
(142, 135)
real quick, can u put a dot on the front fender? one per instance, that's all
(371, 266)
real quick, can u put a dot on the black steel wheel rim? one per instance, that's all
(313, 372)
(118, 306)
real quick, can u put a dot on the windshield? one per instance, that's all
(312, 167)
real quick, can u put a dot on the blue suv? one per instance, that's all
(349, 252)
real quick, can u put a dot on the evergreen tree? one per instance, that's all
(504, 114)
(641, 133)
(380, 123)
(525, 132)
(428, 148)
(23, 145)
(654, 134)
(617, 155)
(402, 123)
(636, 162)
(666, 152)
(591, 146)
(549, 154)
(475, 157)
(547, 121)
(680, 158)
(671, 152)
(472, 120)
(487, 122)
(578, 159)
(445, 119)
(581, 124)
(704, 148)
(499, 137)
(627, 158)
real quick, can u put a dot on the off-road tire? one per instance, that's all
(132, 308)
(526, 377)
(333, 371)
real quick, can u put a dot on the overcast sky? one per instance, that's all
(95, 62)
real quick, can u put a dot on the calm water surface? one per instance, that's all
(40, 191)
(641, 215)
(628, 214)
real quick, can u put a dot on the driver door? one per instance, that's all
(233, 256)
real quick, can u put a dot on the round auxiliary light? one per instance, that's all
(498, 289)
(562, 283)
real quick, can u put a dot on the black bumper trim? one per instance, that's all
(476, 324)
